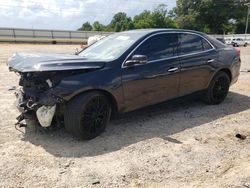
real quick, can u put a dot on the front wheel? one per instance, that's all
(218, 88)
(87, 115)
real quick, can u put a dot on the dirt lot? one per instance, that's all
(183, 143)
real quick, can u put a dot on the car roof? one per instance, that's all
(150, 31)
(146, 32)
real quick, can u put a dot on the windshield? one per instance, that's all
(111, 47)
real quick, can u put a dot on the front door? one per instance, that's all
(158, 79)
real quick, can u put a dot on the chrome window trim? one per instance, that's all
(162, 59)
(177, 56)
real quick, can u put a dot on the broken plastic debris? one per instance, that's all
(240, 136)
(45, 115)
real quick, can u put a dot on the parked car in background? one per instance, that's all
(228, 41)
(238, 42)
(122, 72)
(93, 39)
(221, 40)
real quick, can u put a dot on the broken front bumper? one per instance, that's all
(41, 109)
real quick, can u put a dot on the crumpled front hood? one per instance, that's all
(26, 62)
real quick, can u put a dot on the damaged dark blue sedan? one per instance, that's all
(122, 72)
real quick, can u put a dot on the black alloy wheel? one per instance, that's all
(87, 115)
(95, 115)
(218, 88)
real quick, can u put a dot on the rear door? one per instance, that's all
(197, 57)
(158, 79)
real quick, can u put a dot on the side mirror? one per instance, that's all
(137, 59)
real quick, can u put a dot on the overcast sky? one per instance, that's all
(68, 14)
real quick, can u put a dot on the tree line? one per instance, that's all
(210, 16)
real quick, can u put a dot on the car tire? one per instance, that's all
(218, 88)
(245, 45)
(87, 115)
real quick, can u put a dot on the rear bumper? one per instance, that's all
(235, 69)
(235, 79)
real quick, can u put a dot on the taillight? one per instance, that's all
(238, 51)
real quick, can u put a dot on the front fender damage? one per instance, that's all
(39, 99)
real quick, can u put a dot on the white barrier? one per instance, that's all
(243, 36)
(46, 36)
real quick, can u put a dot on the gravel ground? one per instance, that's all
(182, 143)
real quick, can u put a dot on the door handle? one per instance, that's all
(174, 69)
(210, 60)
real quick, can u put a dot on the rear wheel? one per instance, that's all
(87, 115)
(218, 88)
(245, 45)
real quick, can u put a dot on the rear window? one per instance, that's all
(206, 45)
(216, 43)
(190, 43)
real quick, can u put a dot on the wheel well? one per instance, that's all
(228, 72)
(109, 96)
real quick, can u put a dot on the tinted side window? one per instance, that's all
(190, 44)
(159, 46)
(206, 45)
